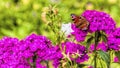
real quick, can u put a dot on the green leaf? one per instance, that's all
(89, 41)
(104, 56)
(104, 38)
(82, 65)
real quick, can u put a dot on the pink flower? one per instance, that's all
(116, 59)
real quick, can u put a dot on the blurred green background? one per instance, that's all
(19, 18)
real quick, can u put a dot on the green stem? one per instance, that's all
(110, 54)
(95, 50)
(34, 61)
(47, 64)
(95, 60)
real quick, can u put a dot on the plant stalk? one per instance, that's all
(110, 54)
(95, 50)
(34, 61)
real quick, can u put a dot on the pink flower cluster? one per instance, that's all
(30, 52)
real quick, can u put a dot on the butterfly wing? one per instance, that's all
(80, 22)
(73, 16)
(84, 26)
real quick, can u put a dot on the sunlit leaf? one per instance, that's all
(104, 56)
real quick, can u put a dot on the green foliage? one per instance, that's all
(105, 57)
(18, 18)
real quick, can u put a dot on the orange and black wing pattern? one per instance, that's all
(80, 22)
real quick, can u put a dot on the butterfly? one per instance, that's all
(80, 22)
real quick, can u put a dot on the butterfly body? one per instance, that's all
(80, 22)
